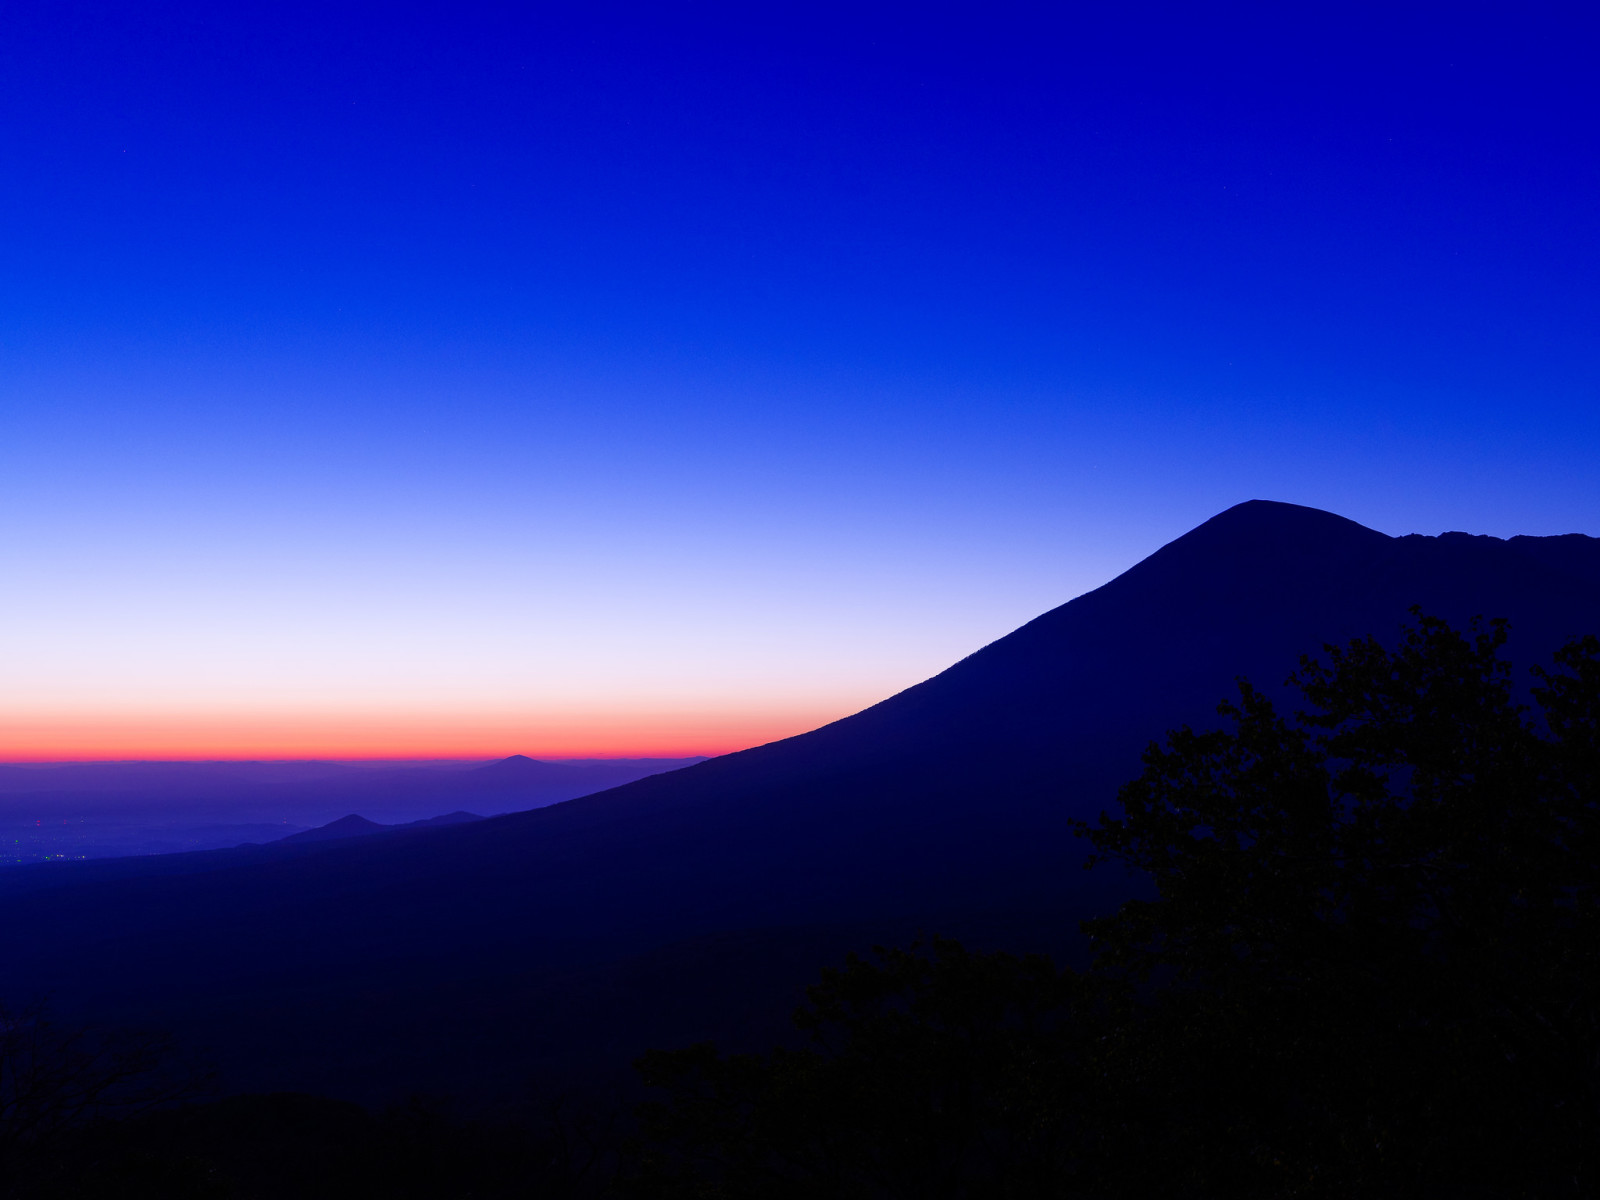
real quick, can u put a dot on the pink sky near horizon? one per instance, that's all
(78, 737)
(704, 385)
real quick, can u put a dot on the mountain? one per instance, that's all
(557, 943)
(344, 827)
(114, 809)
(358, 826)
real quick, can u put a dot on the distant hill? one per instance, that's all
(109, 809)
(556, 943)
(358, 826)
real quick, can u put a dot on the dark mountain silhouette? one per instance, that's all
(344, 827)
(358, 826)
(455, 818)
(691, 904)
(509, 784)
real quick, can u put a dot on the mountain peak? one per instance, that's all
(1279, 518)
(351, 826)
(954, 797)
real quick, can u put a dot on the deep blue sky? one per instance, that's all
(715, 372)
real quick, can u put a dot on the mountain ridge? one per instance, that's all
(96, 811)
(946, 806)
(355, 825)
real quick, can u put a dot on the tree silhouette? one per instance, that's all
(1375, 926)
(921, 1077)
(56, 1080)
(1367, 966)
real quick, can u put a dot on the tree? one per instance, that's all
(926, 1073)
(1375, 926)
(54, 1078)
(1367, 967)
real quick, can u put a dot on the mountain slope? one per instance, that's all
(547, 936)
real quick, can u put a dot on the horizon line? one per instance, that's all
(349, 759)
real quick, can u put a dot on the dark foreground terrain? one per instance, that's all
(524, 955)
(1363, 965)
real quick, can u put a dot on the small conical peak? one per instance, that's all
(516, 766)
(351, 826)
(352, 821)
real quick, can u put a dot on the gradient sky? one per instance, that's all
(448, 379)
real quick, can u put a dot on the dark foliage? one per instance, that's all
(1368, 969)
(91, 1113)
(56, 1079)
(273, 1147)
(926, 1074)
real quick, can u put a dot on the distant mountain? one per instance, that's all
(98, 810)
(556, 943)
(358, 826)
(455, 818)
(516, 783)
(344, 827)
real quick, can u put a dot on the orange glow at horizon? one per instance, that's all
(177, 736)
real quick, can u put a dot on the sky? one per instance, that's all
(587, 380)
